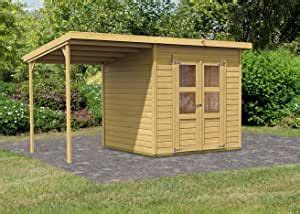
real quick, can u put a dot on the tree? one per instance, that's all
(265, 23)
(10, 33)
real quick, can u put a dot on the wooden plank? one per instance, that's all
(232, 74)
(232, 107)
(212, 135)
(164, 91)
(233, 134)
(212, 123)
(165, 121)
(165, 144)
(154, 95)
(31, 112)
(129, 119)
(232, 80)
(163, 79)
(188, 131)
(104, 49)
(164, 138)
(67, 54)
(187, 125)
(211, 129)
(212, 141)
(183, 137)
(164, 103)
(233, 128)
(84, 41)
(164, 73)
(164, 67)
(135, 125)
(164, 126)
(164, 132)
(164, 115)
(234, 139)
(164, 97)
(187, 142)
(131, 136)
(233, 118)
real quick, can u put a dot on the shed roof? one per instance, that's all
(95, 48)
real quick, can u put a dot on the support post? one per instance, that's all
(67, 54)
(31, 116)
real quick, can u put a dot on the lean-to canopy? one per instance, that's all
(96, 48)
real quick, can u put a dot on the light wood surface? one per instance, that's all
(67, 54)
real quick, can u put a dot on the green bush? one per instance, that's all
(92, 93)
(269, 84)
(13, 116)
(46, 119)
(7, 88)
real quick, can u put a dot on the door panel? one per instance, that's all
(187, 97)
(213, 108)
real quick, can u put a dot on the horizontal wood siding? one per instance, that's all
(128, 103)
(165, 97)
(164, 104)
(233, 104)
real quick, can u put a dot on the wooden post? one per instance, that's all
(31, 116)
(67, 54)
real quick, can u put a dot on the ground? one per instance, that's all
(93, 161)
(28, 185)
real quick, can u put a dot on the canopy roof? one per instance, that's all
(96, 48)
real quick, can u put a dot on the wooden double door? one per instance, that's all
(198, 105)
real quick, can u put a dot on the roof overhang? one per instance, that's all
(96, 48)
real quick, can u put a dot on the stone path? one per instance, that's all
(91, 160)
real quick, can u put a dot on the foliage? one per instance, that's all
(16, 36)
(7, 88)
(269, 84)
(293, 118)
(93, 96)
(82, 119)
(202, 19)
(46, 119)
(13, 116)
(265, 23)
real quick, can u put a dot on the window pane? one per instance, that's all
(211, 102)
(187, 102)
(187, 75)
(211, 76)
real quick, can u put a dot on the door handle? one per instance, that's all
(199, 105)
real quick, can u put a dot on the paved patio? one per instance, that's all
(91, 160)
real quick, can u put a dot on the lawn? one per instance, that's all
(30, 186)
(276, 131)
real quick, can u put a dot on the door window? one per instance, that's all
(211, 75)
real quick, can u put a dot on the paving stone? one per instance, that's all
(91, 160)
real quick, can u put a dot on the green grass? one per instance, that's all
(30, 186)
(276, 131)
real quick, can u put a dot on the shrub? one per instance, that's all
(94, 100)
(82, 119)
(13, 116)
(7, 88)
(269, 84)
(46, 119)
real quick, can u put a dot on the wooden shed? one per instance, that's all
(161, 96)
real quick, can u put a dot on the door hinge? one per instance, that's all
(176, 150)
(222, 146)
